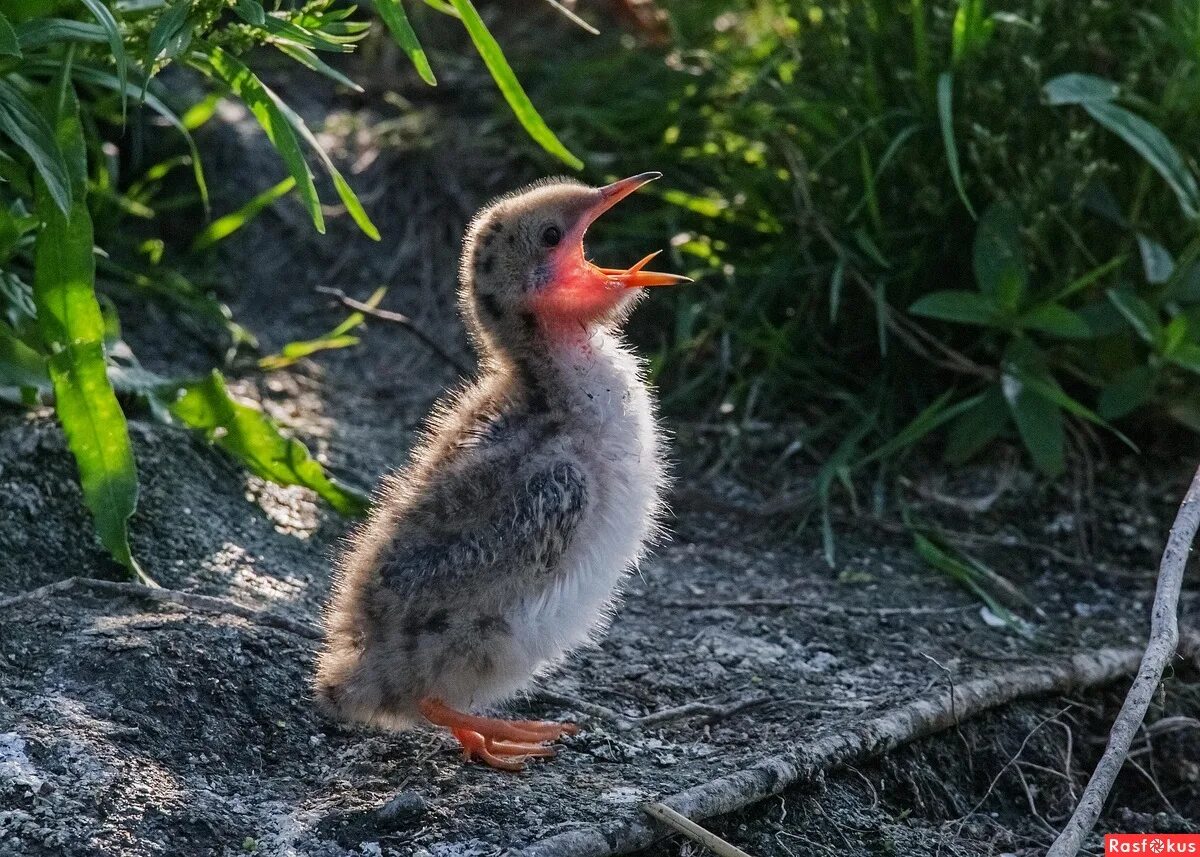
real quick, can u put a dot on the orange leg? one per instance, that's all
(503, 744)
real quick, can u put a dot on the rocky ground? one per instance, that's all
(136, 728)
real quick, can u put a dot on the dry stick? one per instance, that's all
(1164, 641)
(192, 600)
(870, 738)
(693, 831)
(400, 319)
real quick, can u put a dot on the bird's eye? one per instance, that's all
(551, 235)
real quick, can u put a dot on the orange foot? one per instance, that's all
(503, 744)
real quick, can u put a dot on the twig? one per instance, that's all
(800, 604)
(693, 831)
(867, 739)
(192, 600)
(1164, 642)
(400, 319)
(621, 723)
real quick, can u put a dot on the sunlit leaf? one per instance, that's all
(510, 87)
(395, 19)
(254, 440)
(225, 226)
(264, 104)
(72, 329)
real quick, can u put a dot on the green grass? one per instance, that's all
(912, 220)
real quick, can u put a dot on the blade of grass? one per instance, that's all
(396, 20)
(264, 104)
(339, 337)
(493, 57)
(21, 122)
(945, 103)
(223, 227)
(112, 31)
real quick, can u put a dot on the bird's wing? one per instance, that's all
(524, 528)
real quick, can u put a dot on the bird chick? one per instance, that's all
(501, 546)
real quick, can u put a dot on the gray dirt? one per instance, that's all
(139, 729)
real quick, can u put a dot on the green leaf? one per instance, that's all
(960, 306)
(167, 30)
(1084, 280)
(20, 365)
(968, 574)
(999, 257)
(310, 60)
(1154, 147)
(932, 417)
(977, 427)
(21, 122)
(264, 104)
(1075, 88)
(1175, 335)
(250, 11)
(945, 97)
(510, 87)
(90, 74)
(337, 338)
(1157, 264)
(1140, 315)
(1055, 319)
(1187, 356)
(1127, 392)
(395, 19)
(9, 44)
(836, 280)
(72, 328)
(248, 435)
(116, 44)
(225, 226)
(344, 192)
(43, 31)
(1039, 423)
(972, 30)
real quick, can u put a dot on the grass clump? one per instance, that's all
(913, 219)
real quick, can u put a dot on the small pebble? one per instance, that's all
(403, 808)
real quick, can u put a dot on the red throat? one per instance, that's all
(578, 292)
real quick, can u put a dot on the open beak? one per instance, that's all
(635, 276)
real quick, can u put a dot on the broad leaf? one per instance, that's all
(1141, 316)
(1157, 264)
(9, 44)
(1039, 422)
(1078, 88)
(20, 365)
(963, 307)
(1154, 147)
(72, 329)
(1127, 392)
(977, 427)
(999, 258)
(22, 123)
(1055, 319)
(248, 435)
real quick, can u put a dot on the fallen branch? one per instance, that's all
(191, 600)
(401, 319)
(1164, 642)
(871, 738)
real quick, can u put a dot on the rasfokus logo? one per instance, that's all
(1152, 844)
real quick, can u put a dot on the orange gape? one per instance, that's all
(503, 744)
